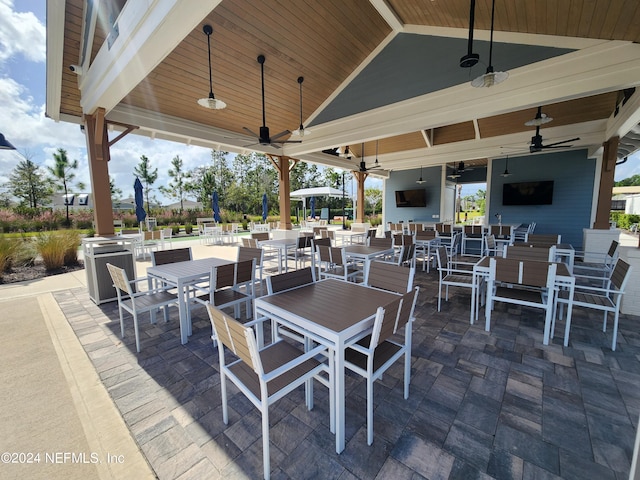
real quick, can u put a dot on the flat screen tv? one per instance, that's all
(411, 198)
(528, 193)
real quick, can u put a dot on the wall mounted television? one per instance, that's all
(528, 193)
(411, 198)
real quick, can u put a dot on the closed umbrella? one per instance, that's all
(215, 207)
(312, 207)
(264, 207)
(139, 199)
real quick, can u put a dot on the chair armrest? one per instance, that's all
(598, 290)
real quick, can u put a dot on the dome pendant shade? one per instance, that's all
(506, 169)
(491, 77)
(210, 102)
(301, 131)
(420, 180)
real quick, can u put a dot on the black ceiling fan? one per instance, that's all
(363, 165)
(536, 140)
(264, 138)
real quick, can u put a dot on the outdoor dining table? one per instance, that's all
(425, 246)
(181, 275)
(305, 310)
(349, 237)
(282, 245)
(366, 254)
(564, 280)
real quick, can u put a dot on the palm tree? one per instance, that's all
(63, 176)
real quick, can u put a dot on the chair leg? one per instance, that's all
(370, 409)
(615, 329)
(135, 329)
(265, 439)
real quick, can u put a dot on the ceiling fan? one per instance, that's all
(536, 140)
(363, 165)
(264, 138)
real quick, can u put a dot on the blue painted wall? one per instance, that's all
(573, 175)
(406, 180)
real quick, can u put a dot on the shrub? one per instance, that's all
(71, 240)
(175, 229)
(26, 253)
(188, 228)
(8, 248)
(52, 248)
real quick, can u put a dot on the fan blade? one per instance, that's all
(551, 145)
(253, 134)
(281, 134)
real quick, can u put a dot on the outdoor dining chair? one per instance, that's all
(491, 248)
(450, 276)
(426, 240)
(138, 302)
(248, 253)
(597, 264)
(264, 376)
(521, 282)
(333, 264)
(606, 299)
(373, 355)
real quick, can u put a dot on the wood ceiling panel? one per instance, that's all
(565, 113)
(453, 133)
(398, 143)
(606, 19)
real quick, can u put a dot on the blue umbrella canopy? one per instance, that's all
(215, 207)
(264, 207)
(139, 199)
(312, 207)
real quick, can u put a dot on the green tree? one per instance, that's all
(632, 181)
(373, 196)
(116, 193)
(28, 183)
(147, 175)
(481, 201)
(63, 175)
(176, 188)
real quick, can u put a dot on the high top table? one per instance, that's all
(305, 310)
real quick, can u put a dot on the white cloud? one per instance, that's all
(21, 33)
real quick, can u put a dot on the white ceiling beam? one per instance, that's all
(602, 68)
(149, 31)
(627, 118)
(55, 46)
(388, 15)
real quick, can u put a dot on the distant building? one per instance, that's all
(627, 199)
(75, 201)
(188, 205)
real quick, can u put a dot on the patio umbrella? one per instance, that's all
(264, 207)
(312, 207)
(139, 199)
(215, 207)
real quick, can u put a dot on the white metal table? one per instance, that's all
(181, 275)
(304, 309)
(366, 254)
(282, 246)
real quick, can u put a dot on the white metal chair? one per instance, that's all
(371, 356)
(138, 302)
(520, 282)
(473, 234)
(333, 264)
(264, 376)
(248, 253)
(596, 264)
(166, 235)
(426, 241)
(491, 248)
(607, 299)
(449, 276)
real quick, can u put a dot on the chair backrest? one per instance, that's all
(613, 249)
(317, 231)
(443, 259)
(120, 278)
(443, 228)
(223, 276)
(407, 308)
(543, 240)
(385, 322)
(248, 253)
(473, 230)
(162, 257)
(236, 337)
(320, 241)
(425, 234)
(249, 242)
(338, 256)
(285, 281)
(130, 231)
(408, 255)
(260, 236)
(324, 252)
(387, 276)
(245, 271)
(167, 232)
(620, 275)
(372, 232)
(523, 272)
(501, 230)
(381, 242)
(490, 243)
(527, 252)
(303, 242)
(387, 234)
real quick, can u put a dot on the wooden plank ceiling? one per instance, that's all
(281, 30)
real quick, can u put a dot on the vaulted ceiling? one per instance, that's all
(382, 73)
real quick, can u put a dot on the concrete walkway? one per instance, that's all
(57, 418)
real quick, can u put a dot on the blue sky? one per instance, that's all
(24, 124)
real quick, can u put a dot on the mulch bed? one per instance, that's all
(33, 272)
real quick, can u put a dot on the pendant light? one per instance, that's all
(376, 164)
(420, 180)
(5, 144)
(301, 132)
(490, 78)
(210, 102)
(506, 169)
(470, 59)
